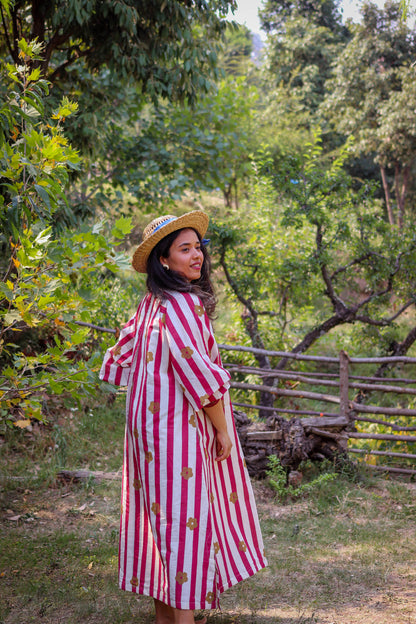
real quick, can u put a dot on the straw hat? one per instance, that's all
(161, 227)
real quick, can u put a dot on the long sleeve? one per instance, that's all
(193, 351)
(117, 361)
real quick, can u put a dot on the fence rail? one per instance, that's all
(344, 390)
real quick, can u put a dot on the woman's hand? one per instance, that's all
(223, 445)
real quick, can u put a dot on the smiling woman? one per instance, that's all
(189, 525)
(185, 255)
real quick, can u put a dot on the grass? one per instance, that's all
(344, 554)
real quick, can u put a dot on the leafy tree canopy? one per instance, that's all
(324, 13)
(371, 96)
(304, 39)
(162, 44)
(236, 50)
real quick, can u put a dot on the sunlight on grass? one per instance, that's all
(333, 556)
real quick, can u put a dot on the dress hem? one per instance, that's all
(203, 605)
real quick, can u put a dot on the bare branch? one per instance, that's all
(386, 321)
(338, 305)
(267, 313)
(350, 264)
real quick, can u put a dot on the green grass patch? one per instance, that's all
(342, 552)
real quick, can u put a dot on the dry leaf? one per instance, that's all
(22, 423)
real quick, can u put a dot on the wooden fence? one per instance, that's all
(347, 390)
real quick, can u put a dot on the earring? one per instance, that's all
(166, 266)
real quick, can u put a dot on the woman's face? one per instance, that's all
(185, 255)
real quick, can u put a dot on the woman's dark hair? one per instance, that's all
(159, 280)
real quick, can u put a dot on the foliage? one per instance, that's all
(275, 13)
(329, 257)
(371, 95)
(161, 45)
(304, 39)
(47, 300)
(174, 150)
(113, 59)
(277, 479)
(235, 53)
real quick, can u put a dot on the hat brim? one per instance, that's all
(196, 220)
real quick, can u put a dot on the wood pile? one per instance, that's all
(292, 441)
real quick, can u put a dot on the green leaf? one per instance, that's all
(122, 227)
(43, 194)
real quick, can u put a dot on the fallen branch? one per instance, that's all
(85, 475)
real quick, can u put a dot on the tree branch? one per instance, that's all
(337, 303)
(350, 264)
(6, 33)
(55, 41)
(16, 36)
(68, 62)
(386, 321)
(251, 325)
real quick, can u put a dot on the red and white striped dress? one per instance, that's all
(189, 527)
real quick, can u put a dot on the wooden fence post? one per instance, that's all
(344, 408)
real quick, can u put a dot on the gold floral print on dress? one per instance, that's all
(134, 581)
(187, 472)
(186, 353)
(148, 456)
(155, 508)
(192, 523)
(181, 578)
(154, 407)
(199, 310)
(216, 548)
(149, 357)
(137, 484)
(210, 597)
(192, 420)
(242, 547)
(204, 399)
(136, 433)
(233, 497)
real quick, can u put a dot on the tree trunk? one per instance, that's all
(387, 195)
(401, 183)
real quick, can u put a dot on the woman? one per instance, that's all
(189, 527)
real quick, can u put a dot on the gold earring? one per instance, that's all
(166, 266)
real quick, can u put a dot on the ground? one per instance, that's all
(344, 555)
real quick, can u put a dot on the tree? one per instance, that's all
(236, 50)
(176, 150)
(117, 60)
(160, 44)
(315, 257)
(371, 98)
(304, 38)
(47, 297)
